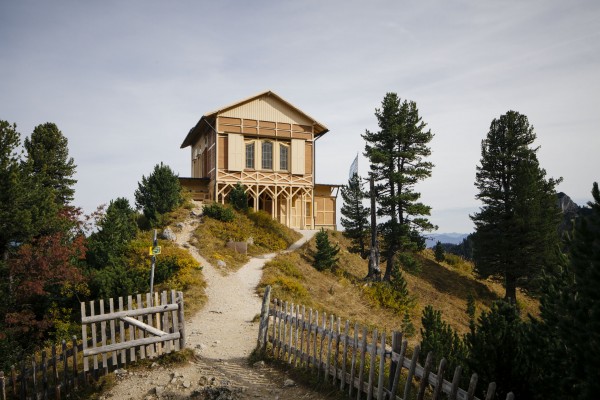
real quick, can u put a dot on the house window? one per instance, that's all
(267, 155)
(283, 157)
(250, 155)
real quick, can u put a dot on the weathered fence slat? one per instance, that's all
(139, 323)
(353, 363)
(175, 320)
(361, 368)
(440, 379)
(425, 377)
(381, 368)
(344, 356)
(329, 346)
(131, 330)
(103, 336)
(372, 356)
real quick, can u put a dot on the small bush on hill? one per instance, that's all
(326, 256)
(439, 338)
(238, 198)
(219, 212)
(392, 295)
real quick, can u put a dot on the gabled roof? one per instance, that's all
(193, 134)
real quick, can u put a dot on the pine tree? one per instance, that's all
(498, 352)
(158, 194)
(48, 153)
(570, 311)
(516, 228)
(115, 229)
(439, 252)
(355, 223)
(443, 341)
(238, 197)
(397, 155)
(326, 256)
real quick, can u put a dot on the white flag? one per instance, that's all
(354, 167)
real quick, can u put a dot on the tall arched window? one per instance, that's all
(267, 155)
(250, 155)
(283, 157)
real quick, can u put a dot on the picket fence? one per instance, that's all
(363, 368)
(141, 327)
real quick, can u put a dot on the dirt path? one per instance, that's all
(222, 335)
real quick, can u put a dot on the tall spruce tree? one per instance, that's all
(48, 155)
(517, 226)
(355, 215)
(397, 155)
(570, 311)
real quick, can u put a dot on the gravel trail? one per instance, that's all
(222, 335)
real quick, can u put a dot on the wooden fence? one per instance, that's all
(144, 327)
(362, 367)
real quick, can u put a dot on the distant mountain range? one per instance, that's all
(454, 238)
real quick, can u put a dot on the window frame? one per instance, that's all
(283, 146)
(270, 154)
(247, 145)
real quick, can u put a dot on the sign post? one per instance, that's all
(154, 250)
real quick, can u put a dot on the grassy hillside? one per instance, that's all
(265, 234)
(344, 293)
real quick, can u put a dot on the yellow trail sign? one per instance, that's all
(154, 251)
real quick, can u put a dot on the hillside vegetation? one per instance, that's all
(445, 286)
(258, 229)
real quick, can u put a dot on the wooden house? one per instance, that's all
(268, 145)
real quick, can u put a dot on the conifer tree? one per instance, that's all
(569, 334)
(238, 197)
(355, 215)
(397, 155)
(159, 193)
(326, 256)
(439, 252)
(115, 229)
(438, 337)
(48, 155)
(516, 228)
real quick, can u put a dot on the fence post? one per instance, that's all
(264, 321)
(181, 320)
(396, 345)
(2, 386)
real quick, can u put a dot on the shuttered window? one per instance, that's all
(298, 156)
(235, 152)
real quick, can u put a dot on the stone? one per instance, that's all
(250, 241)
(173, 381)
(159, 390)
(201, 346)
(187, 384)
(180, 225)
(154, 365)
(259, 364)
(203, 381)
(168, 234)
(221, 264)
(120, 371)
(289, 383)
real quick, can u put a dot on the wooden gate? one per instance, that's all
(144, 327)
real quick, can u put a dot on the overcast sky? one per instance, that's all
(126, 80)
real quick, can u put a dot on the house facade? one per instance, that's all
(268, 145)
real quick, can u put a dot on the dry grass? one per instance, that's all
(268, 236)
(445, 287)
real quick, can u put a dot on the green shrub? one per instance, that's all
(238, 198)
(326, 256)
(219, 212)
(290, 286)
(158, 194)
(409, 263)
